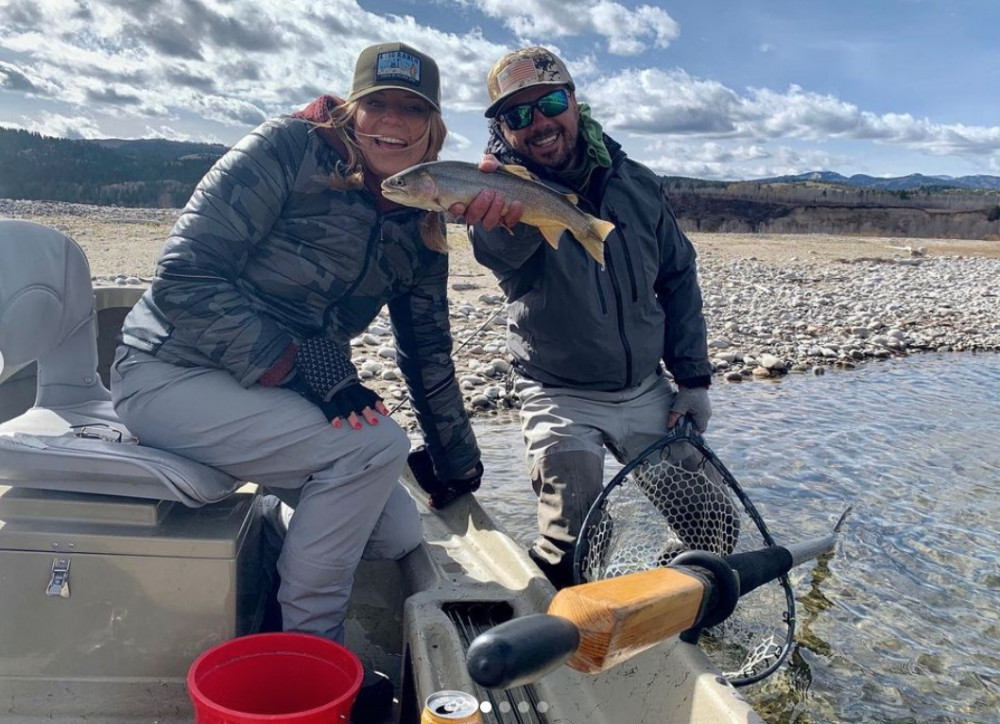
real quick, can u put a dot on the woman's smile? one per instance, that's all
(391, 128)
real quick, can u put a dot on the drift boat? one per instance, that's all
(120, 563)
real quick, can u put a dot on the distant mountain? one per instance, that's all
(828, 203)
(163, 174)
(160, 147)
(897, 183)
(137, 173)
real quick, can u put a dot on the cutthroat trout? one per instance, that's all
(437, 185)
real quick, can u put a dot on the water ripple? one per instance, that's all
(903, 623)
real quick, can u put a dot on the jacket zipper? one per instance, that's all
(619, 302)
(374, 237)
(620, 309)
(616, 162)
(620, 231)
(600, 288)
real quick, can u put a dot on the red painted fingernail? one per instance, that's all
(356, 426)
(336, 423)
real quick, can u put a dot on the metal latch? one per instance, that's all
(59, 583)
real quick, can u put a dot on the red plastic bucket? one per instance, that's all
(274, 677)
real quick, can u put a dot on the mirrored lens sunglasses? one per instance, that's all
(550, 105)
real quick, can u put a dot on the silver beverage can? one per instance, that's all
(451, 707)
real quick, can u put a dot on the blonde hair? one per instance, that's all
(349, 174)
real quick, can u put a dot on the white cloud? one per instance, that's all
(714, 160)
(229, 110)
(627, 32)
(172, 134)
(235, 62)
(658, 102)
(456, 146)
(51, 124)
(176, 67)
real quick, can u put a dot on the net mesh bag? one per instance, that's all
(678, 496)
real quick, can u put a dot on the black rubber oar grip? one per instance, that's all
(521, 651)
(755, 568)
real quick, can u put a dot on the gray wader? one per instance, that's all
(566, 433)
(344, 483)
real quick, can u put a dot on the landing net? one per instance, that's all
(678, 496)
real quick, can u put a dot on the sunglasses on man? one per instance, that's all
(550, 105)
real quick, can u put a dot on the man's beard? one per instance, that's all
(566, 160)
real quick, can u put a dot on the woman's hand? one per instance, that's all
(351, 401)
(323, 374)
(489, 207)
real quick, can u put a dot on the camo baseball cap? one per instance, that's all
(396, 65)
(521, 69)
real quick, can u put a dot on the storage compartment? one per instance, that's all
(98, 587)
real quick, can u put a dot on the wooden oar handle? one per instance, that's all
(594, 626)
(521, 651)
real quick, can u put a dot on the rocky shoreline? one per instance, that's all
(774, 305)
(765, 321)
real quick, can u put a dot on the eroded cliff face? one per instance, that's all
(715, 213)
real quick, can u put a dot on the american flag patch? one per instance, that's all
(516, 74)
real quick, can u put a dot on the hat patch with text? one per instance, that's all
(397, 65)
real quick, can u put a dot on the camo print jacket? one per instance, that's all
(266, 254)
(572, 323)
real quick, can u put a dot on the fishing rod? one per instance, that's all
(460, 347)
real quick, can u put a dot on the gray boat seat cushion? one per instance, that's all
(71, 439)
(88, 450)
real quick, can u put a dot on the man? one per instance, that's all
(590, 343)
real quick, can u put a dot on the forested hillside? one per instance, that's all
(810, 207)
(162, 174)
(143, 173)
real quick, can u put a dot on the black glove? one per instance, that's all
(326, 377)
(353, 398)
(442, 492)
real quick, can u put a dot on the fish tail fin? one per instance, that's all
(595, 248)
(552, 233)
(593, 238)
(601, 227)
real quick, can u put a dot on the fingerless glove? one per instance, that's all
(324, 367)
(323, 374)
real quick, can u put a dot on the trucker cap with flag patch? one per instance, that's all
(396, 65)
(521, 69)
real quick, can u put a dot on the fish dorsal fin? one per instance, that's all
(524, 173)
(519, 171)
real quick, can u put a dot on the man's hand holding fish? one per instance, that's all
(489, 207)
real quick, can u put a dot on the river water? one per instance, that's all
(902, 623)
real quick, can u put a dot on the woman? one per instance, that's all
(238, 355)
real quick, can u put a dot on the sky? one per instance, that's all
(713, 89)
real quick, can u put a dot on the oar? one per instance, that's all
(595, 626)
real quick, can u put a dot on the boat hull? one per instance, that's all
(148, 600)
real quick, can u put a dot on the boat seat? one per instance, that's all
(71, 439)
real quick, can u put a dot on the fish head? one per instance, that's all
(415, 187)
